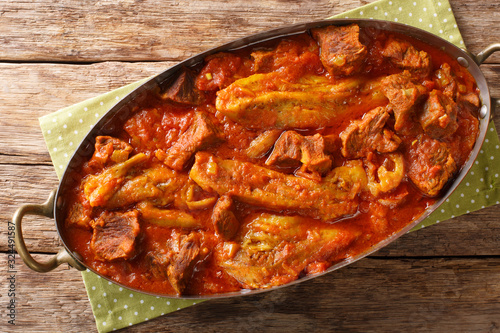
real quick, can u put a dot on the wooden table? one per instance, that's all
(444, 278)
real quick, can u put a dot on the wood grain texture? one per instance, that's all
(56, 53)
(138, 30)
(27, 175)
(396, 295)
(474, 234)
(55, 302)
(169, 30)
(475, 19)
(371, 295)
(29, 91)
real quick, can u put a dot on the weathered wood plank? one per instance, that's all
(381, 293)
(398, 296)
(474, 234)
(475, 19)
(431, 295)
(29, 91)
(477, 233)
(93, 31)
(26, 174)
(107, 30)
(28, 184)
(54, 302)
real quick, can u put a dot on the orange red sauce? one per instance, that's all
(159, 124)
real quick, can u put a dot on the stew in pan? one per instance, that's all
(273, 162)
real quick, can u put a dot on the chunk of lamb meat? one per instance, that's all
(225, 223)
(177, 259)
(109, 151)
(292, 149)
(470, 99)
(198, 136)
(439, 116)
(341, 51)
(183, 89)
(403, 94)
(79, 215)
(287, 150)
(446, 81)
(430, 164)
(405, 56)
(114, 235)
(368, 134)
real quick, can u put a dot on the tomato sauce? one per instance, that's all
(155, 128)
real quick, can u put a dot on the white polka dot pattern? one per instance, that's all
(422, 14)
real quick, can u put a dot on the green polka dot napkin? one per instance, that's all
(115, 307)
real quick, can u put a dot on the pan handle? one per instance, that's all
(46, 209)
(479, 59)
(484, 54)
